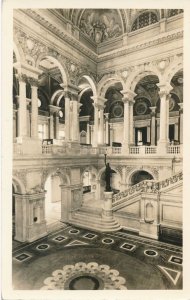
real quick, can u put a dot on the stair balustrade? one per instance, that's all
(146, 186)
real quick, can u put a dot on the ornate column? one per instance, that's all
(88, 133)
(54, 121)
(181, 123)
(95, 134)
(22, 109)
(65, 203)
(153, 125)
(34, 104)
(51, 126)
(101, 125)
(71, 113)
(128, 97)
(164, 122)
(131, 123)
(126, 126)
(111, 134)
(106, 128)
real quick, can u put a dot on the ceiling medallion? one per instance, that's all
(117, 111)
(101, 25)
(141, 108)
(171, 104)
(180, 80)
(82, 276)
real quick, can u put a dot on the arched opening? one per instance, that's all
(176, 109)
(89, 188)
(53, 199)
(86, 114)
(51, 102)
(139, 176)
(145, 110)
(114, 113)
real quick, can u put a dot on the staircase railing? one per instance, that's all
(147, 186)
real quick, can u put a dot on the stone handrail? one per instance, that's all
(147, 186)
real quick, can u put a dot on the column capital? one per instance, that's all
(33, 81)
(165, 89)
(21, 77)
(70, 91)
(128, 96)
(54, 109)
(181, 107)
(153, 110)
(106, 116)
(99, 100)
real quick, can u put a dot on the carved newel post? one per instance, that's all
(107, 211)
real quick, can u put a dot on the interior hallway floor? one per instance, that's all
(73, 258)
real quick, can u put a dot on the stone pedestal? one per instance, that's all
(30, 223)
(149, 216)
(107, 211)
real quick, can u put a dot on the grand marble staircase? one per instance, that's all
(92, 219)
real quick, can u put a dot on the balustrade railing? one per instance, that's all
(134, 150)
(53, 149)
(116, 150)
(151, 150)
(174, 149)
(148, 186)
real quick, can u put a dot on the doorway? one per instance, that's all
(141, 136)
(171, 132)
(53, 199)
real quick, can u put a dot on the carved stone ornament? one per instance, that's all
(21, 174)
(30, 46)
(22, 77)
(33, 81)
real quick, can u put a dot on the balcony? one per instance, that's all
(69, 149)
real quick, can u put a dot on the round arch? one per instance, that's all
(91, 82)
(101, 171)
(157, 12)
(59, 63)
(91, 169)
(18, 186)
(173, 69)
(65, 180)
(106, 82)
(56, 97)
(135, 77)
(19, 53)
(136, 170)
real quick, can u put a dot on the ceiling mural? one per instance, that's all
(101, 25)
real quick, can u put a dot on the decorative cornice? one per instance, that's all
(32, 47)
(137, 47)
(62, 34)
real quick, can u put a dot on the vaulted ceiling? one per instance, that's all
(104, 24)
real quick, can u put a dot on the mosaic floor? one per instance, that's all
(78, 259)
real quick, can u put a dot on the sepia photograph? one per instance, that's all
(95, 179)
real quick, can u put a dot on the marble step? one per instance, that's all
(94, 222)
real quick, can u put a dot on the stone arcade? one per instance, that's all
(88, 83)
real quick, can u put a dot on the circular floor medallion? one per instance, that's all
(90, 282)
(150, 253)
(82, 276)
(74, 231)
(42, 247)
(107, 241)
